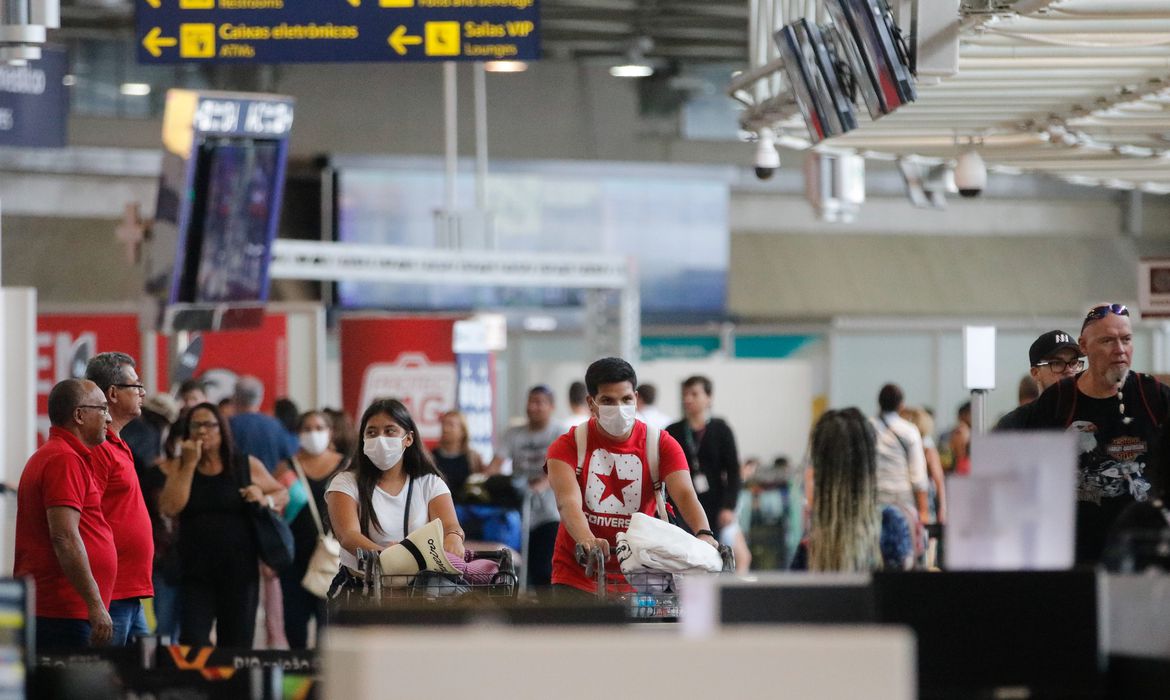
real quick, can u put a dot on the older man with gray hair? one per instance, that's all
(1117, 414)
(122, 502)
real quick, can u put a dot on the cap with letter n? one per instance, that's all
(1051, 343)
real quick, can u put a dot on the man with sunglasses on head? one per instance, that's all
(1053, 356)
(122, 502)
(63, 541)
(1117, 414)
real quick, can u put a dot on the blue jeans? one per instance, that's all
(166, 608)
(61, 633)
(129, 621)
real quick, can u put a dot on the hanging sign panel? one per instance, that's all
(326, 31)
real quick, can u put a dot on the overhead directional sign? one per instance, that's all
(324, 31)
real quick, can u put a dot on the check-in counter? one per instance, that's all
(587, 663)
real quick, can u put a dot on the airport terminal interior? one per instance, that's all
(530, 348)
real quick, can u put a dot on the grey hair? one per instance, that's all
(105, 369)
(249, 392)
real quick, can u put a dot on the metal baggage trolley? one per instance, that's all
(432, 584)
(646, 595)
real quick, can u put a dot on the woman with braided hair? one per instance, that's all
(849, 531)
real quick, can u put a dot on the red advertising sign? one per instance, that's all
(66, 342)
(261, 352)
(409, 359)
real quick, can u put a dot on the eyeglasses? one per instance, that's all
(1059, 366)
(103, 409)
(201, 424)
(137, 387)
(1099, 312)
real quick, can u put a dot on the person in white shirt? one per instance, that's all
(901, 475)
(390, 489)
(647, 411)
(578, 408)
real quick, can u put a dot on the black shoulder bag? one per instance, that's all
(274, 539)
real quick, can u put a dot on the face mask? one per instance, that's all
(384, 452)
(314, 441)
(616, 420)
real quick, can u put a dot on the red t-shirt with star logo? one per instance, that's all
(615, 484)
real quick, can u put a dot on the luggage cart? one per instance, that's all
(646, 595)
(432, 585)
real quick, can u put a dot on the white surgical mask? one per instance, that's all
(617, 420)
(384, 452)
(314, 441)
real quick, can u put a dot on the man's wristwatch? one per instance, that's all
(271, 503)
(710, 534)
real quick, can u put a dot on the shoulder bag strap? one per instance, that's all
(309, 492)
(406, 509)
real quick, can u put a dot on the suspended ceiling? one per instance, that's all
(1079, 89)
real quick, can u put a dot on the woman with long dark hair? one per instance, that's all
(210, 486)
(849, 530)
(389, 489)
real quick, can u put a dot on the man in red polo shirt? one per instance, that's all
(122, 501)
(62, 539)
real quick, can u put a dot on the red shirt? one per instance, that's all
(125, 511)
(59, 474)
(615, 484)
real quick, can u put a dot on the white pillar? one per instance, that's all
(18, 409)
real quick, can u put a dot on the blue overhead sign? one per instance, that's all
(34, 103)
(325, 31)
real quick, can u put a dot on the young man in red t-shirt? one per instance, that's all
(62, 539)
(122, 501)
(615, 481)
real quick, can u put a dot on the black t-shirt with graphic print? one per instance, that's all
(1113, 450)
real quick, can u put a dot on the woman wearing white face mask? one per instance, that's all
(389, 489)
(317, 460)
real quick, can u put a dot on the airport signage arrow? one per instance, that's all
(326, 31)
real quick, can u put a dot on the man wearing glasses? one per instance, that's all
(62, 539)
(1054, 356)
(122, 501)
(1117, 414)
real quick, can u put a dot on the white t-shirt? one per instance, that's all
(390, 509)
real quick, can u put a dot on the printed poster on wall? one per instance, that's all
(407, 358)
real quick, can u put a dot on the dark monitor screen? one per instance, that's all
(797, 599)
(998, 634)
(237, 193)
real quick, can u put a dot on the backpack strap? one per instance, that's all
(653, 436)
(581, 435)
(1066, 399)
(1143, 379)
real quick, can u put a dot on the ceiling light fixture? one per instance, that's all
(636, 65)
(135, 89)
(505, 66)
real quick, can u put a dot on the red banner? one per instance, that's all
(66, 342)
(261, 352)
(409, 359)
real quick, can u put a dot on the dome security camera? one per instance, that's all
(970, 174)
(767, 157)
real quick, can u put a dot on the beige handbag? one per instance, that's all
(326, 559)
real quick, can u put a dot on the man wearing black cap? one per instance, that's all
(1116, 414)
(1054, 356)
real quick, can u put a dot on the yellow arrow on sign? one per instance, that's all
(355, 3)
(155, 42)
(399, 40)
(154, 3)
